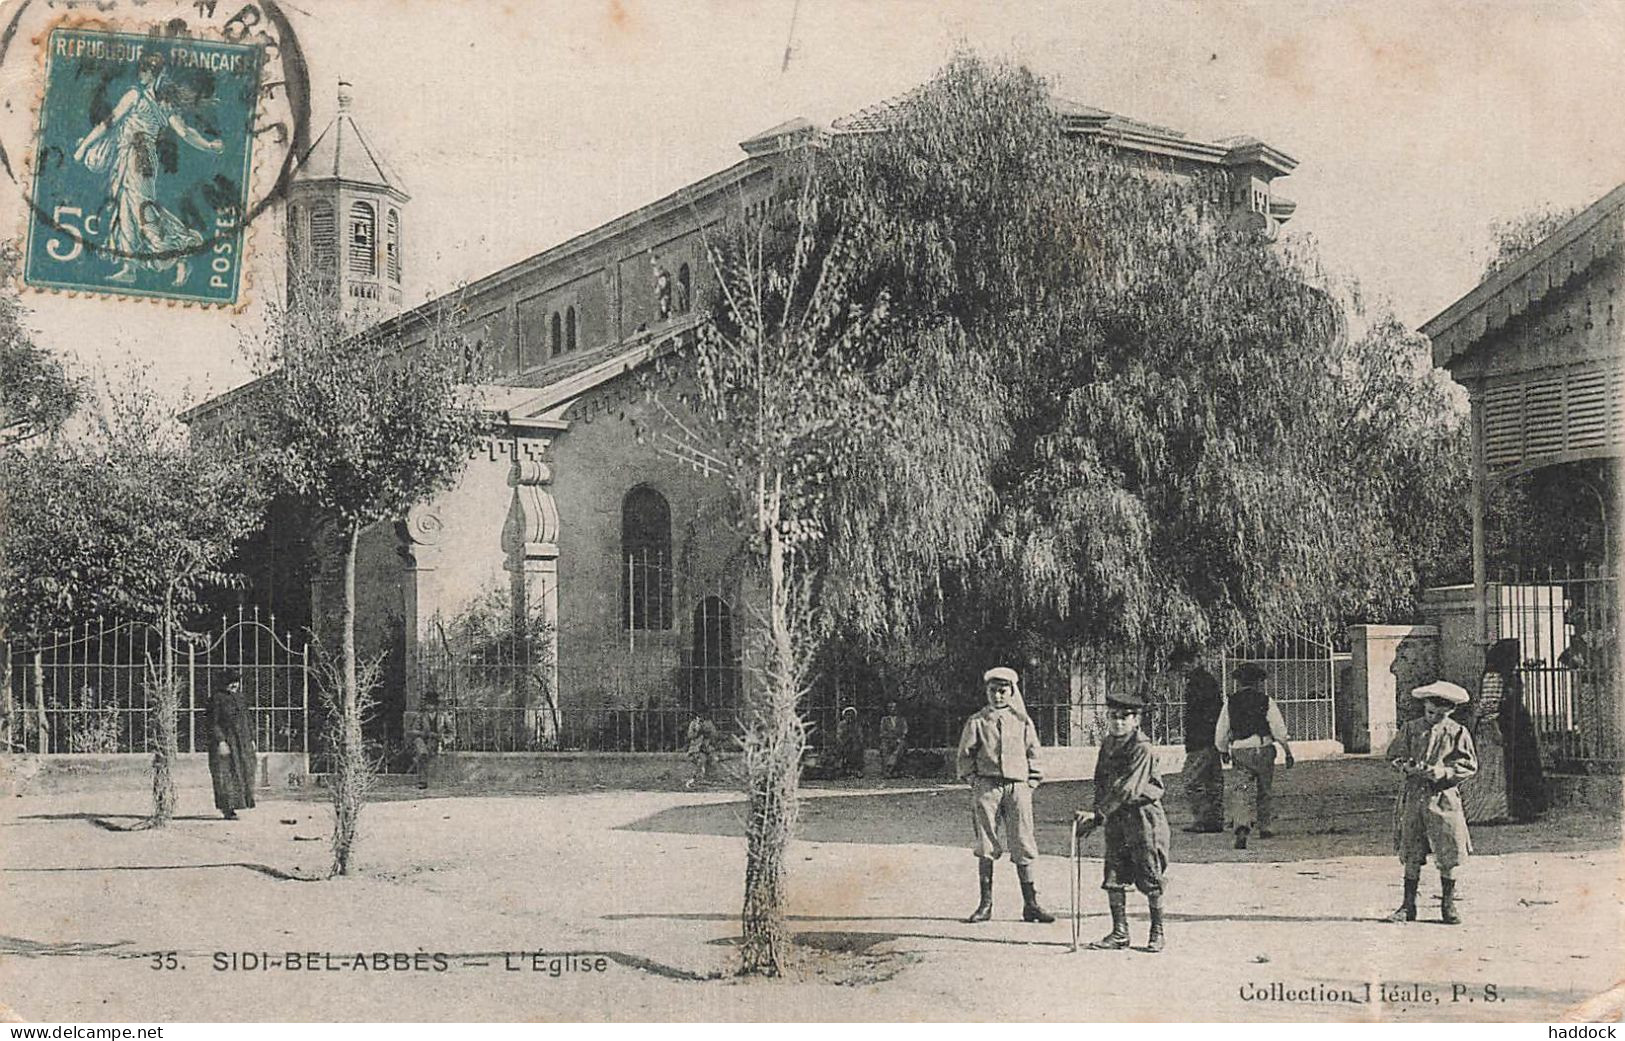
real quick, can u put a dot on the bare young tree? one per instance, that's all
(361, 427)
(779, 386)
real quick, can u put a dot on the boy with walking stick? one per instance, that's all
(1128, 803)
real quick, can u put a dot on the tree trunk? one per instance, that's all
(350, 768)
(167, 704)
(774, 739)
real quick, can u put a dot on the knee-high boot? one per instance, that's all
(984, 910)
(1030, 911)
(1156, 943)
(1117, 939)
(1407, 910)
(1447, 902)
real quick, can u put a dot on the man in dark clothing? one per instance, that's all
(1249, 728)
(1203, 775)
(1128, 803)
(233, 762)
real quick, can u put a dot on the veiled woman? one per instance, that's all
(1510, 780)
(140, 231)
(233, 764)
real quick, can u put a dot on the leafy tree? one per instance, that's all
(360, 428)
(1511, 239)
(36, 393)
(1175, 430)
(133, 520)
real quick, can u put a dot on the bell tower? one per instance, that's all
(344, 219)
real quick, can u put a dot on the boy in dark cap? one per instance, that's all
(998, 754)
(1436, 754)
(1249, 728)
(1128, 802)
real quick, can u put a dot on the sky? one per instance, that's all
(515, 124)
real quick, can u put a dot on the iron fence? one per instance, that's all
(1069, 709)
(1566, 625)
(85, 690)
(644, 704)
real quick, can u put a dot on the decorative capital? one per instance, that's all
(424, 526)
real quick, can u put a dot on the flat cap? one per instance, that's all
(1250, 672)
(1127, 699)
(1443, 690)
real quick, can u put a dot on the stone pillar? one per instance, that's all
(421, 533)
(1454, 611)
(1387, 661)
(533, 559)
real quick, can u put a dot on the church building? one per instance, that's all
(582, 587)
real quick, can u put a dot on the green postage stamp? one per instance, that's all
(142, 165)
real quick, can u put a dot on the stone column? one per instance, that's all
(421, 533)
(533, 560)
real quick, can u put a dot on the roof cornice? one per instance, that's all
(1574, 246)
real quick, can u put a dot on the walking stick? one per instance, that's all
(1077, 882)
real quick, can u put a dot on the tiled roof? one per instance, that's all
(342, 151)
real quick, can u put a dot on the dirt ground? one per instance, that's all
(458, 894)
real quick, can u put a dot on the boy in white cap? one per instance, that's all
(998, 754)
(1435, 753)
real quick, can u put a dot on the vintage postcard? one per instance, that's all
(811, 510)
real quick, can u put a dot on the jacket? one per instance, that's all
(998, 743)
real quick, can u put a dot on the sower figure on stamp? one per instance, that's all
(1128, 803)
(1435, 753)
(125, 147)
(233, 762)
(1203, 776)
(998, 754)
(1249, 728)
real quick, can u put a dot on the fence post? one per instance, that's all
(304, 700)
(8, 707)
(39, 702)
(191, 697)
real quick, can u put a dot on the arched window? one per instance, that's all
(685, 290)
(557, 335)
(323, 240)
(714, 668)
(645, 560)
(392, 245)
(569, 328)
(363, 239)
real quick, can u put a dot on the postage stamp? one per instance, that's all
(142, 165)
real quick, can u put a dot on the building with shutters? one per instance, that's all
(1539, 346)
(580, 588)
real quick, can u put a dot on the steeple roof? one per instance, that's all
(342, 152)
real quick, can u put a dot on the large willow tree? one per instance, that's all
(1155, 428)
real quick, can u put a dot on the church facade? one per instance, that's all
(583, 586)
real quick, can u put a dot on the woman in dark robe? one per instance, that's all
(1511, 781)
(232, 757)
